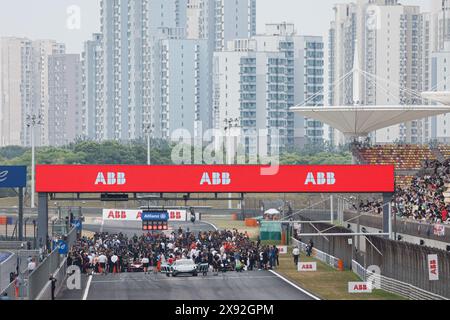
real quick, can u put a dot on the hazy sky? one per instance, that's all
(46, 19)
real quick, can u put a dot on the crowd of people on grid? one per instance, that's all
(115, 253)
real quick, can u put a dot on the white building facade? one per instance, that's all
(258, 80)
(393, 43)
(153, 71)
(64, 111)
(24, 89)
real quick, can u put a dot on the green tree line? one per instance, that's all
(113, 152)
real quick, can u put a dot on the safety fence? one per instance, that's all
(387, 284)
(407, 262)
(37, 285)
(72, 237)
(319, 255)
(9, 231)
(40, 276)
(8, 264)
(409, 227)
(394, 286)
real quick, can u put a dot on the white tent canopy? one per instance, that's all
(359, 121)
(438, 96)
(272, 212)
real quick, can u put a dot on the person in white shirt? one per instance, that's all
(145, 262)
(102, 260)
(296, 254)
(31, 266)
(115, 263)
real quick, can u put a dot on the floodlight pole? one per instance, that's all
(32, 121)
(331, 209)
(148, 130)
(33, 161)
(229, 124)
(148, 149)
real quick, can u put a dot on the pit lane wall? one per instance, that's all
(408, 263)
(37, 285)
(8, 264)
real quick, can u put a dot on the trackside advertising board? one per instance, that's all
(215, 179)
(433, 267)
(13, 176)
(136, 215)
(360, 287)
(307, 266)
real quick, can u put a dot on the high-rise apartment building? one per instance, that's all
(24, 88)
(257, 81)
(440, 65)
(16, 89)
(138, 40)
(91, 81)
(64, 104)
(393, 48)
(42, 49)
(233, 20)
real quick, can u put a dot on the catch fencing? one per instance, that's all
(401, 261)
(409, 227)
(335, 246)
(394, 286)
(408, 263)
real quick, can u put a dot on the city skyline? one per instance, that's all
(309, 18)
(142, 75)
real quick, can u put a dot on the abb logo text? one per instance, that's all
(110, 179)
(216, 178)
(320, 179)
(175, 215)
(119, 215)
(307, 266)
(360, 287)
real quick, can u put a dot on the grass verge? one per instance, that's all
(326, 283)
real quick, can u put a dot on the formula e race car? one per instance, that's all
(134, 266)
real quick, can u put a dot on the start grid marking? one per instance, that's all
(152, 278)
(256, 285)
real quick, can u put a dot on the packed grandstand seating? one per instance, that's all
(404, 157)
(445, 151)
(403, 181)
(424, 197)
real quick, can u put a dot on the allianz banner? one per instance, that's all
(136, 215)
(13, 176)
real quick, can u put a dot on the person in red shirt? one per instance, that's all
(444, 214)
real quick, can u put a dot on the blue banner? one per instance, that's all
(13, 176)
(63, 248)
(155, 216)
(78, 224)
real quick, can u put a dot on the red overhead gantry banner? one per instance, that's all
(214, 179)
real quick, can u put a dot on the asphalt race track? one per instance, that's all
(252, 285)
(255, 285)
